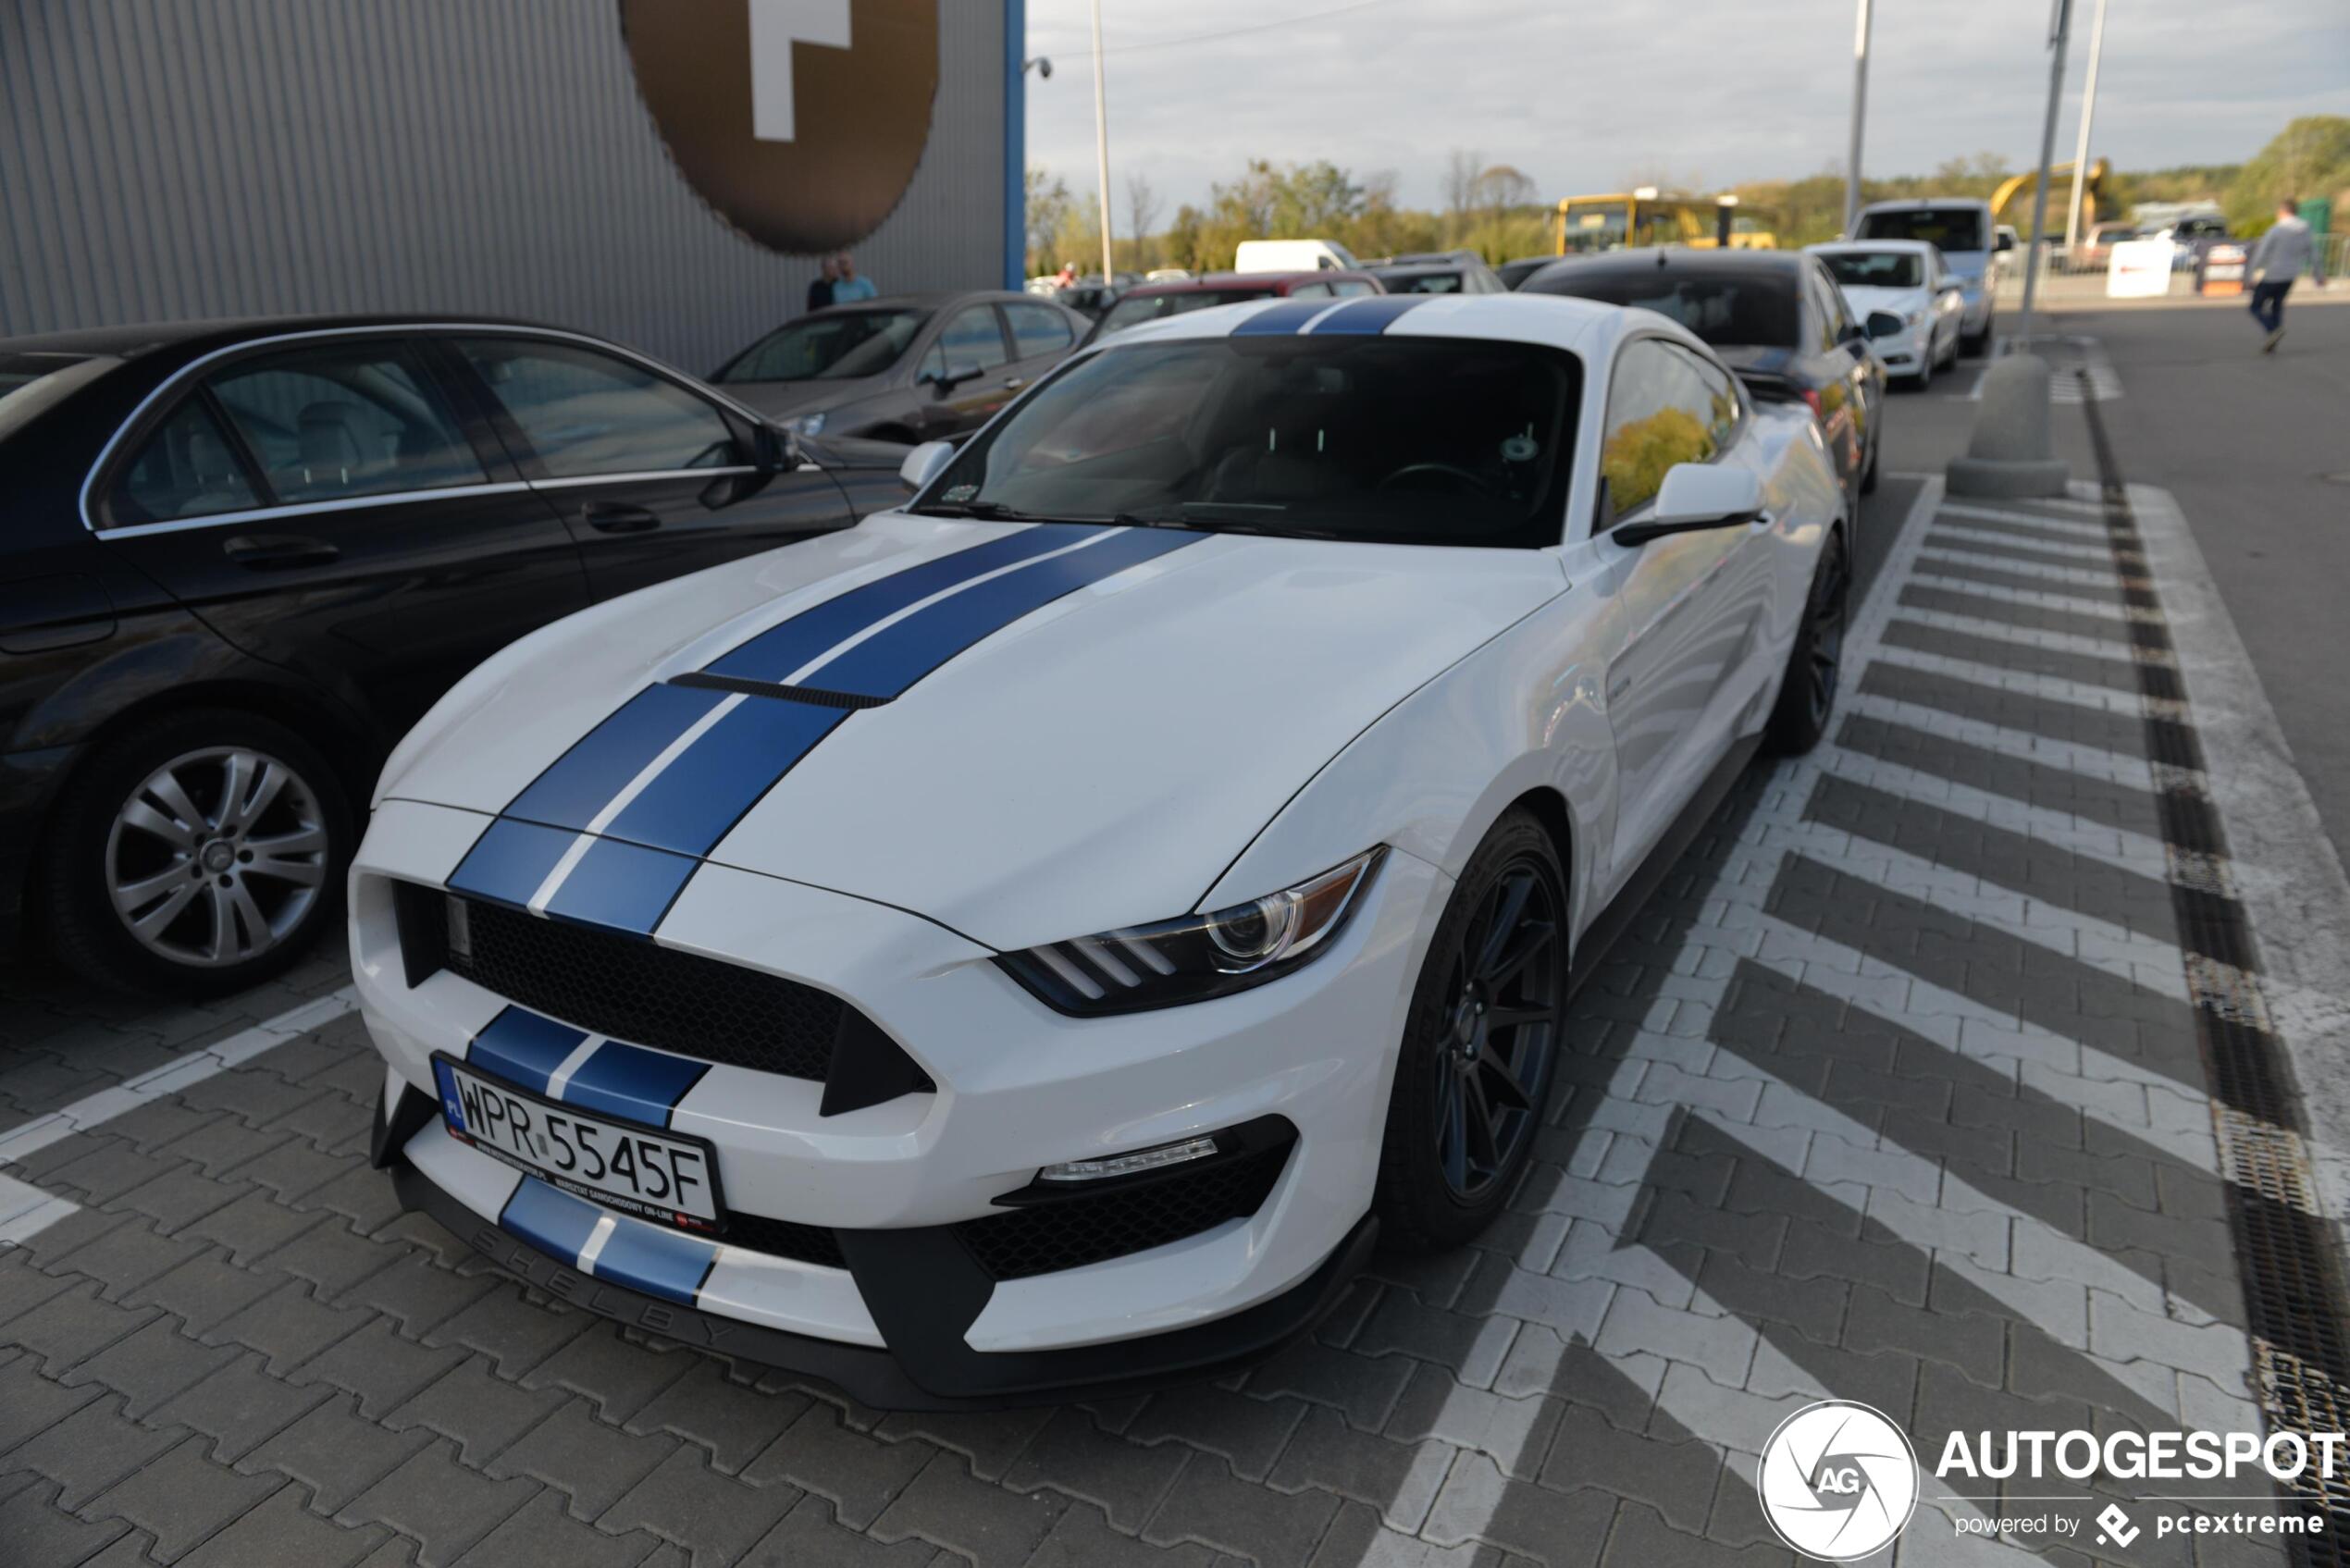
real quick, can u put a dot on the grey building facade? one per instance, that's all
(176, 159)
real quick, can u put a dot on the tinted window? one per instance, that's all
(1724, 408)
(1423, 283)
(1953, 228)
(1725, 307)
(1660, 412)
(185, 469)
(1038, 331)
(1876, 269)
(1397, 439)
(1310, 291)
(1349, 287)
(586, 413)
(1828, 308)
(972, 337)
(355, 419)
(829, 346)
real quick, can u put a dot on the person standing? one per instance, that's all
(850, 287)
(2282, 252)
(821, 292)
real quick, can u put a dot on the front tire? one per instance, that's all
(197, 854)
(1480, 1044)
(1814, 665)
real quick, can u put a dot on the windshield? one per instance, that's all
(1953, 228)
(1421, 282)
(829, 346)
(1876, 269)
(1746, 308)
(1420, 441)
(1133, 312)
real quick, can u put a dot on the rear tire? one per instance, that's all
(1814, 665)
(1480, 1044)
(196, 854)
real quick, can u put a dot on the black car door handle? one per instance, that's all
(277, 552)
(613, 517)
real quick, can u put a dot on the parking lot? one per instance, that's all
(1931, 1080)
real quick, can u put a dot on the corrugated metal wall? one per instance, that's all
(170, 159)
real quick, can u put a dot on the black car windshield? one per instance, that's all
(1876, 269)
(1953, 228)
(829, 346)
(1133, 311)
(1397, 440)
(1729, 308)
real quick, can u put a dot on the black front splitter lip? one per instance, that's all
(955, 1377)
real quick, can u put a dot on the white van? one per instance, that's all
(1292, 255)
(1971, 243)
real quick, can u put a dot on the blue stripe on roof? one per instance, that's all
(621, 886)
(777, 651)
(522, 1048)
(702, 795)
(1279, 320)
(510, 859)
(583, 781)
(554, 1221)
(657, 1261)
(631, 1082)
(888, 662)
(1369, 318)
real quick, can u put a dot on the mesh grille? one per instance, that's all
(1074, 1232)
(648, 994)
(783, 1239)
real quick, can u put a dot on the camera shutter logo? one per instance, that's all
(1838, 1481)
(801, 122)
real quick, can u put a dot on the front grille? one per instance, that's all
(784, 1239)
(633, 989)
(1049, 1236)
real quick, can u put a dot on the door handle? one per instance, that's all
(1014, 385)
(615, 517)
(277, 552)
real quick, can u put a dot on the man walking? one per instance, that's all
(2281, 256)
(820, 291)
(850, 287)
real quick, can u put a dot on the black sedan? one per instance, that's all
(908, 368)
(241, 558)
(1774, 317)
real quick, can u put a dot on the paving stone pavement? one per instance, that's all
(1892, 1094)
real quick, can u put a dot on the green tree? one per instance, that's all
(1049, 210)
(2310, 157)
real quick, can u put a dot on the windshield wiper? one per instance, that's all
(1186, 520)
(986, 510)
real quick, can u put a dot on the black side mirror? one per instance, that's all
(774, 449)
(1884, 323)
(1852, 333)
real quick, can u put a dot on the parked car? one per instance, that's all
(905, 368)
(241, 558)
(1911, 304)
(1470, 277)
(1293, 255)
(1970, 243)
(1024, 954)
(1774, 317)
(1514, 273)
(2096, 249)
(1155, 301)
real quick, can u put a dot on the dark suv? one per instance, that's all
(241, 559)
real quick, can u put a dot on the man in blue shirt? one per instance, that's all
(852, 285)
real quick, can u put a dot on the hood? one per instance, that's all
(1968, 265)
(1043, 767)
(780, 398)
(1900, 302)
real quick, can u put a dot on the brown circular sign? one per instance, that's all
(800, 121)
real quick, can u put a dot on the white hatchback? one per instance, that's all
(1915, 305)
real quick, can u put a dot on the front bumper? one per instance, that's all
(905, 1315)
(1905, 352)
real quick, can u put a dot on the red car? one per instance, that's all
(1152, 301)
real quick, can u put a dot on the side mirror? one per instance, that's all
(1854, 333)
(956, 371)
(774, 449)
(1696, 496)
(2004, 243)
(924, 464)
(1884, 323)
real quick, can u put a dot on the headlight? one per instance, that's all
(1916, 318)
(1193, 957)
(805, 424)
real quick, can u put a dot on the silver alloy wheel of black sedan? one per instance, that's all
(217, 857)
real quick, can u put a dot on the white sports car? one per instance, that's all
(1038, 940)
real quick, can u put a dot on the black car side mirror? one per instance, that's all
(1884, 323)
(774, 449)
(1853, 333)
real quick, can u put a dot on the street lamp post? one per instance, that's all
(1860, 113)
(2080, 148)
(1101, 141)
(2059, 20)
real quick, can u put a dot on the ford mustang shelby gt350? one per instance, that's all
(1038, 940)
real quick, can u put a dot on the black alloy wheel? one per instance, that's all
(1815, 664)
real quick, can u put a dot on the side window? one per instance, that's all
(1838, 319)
(972, 338)
(360, 418)
(186, 469)
(1310, 291)
(1721, 392)
(586, 413)
(1349, 288)
(1659, 412)
(1038, 330)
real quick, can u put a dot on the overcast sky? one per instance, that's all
(1587, 96)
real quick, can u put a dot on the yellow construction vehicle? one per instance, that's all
(2060, 193)
(1630, 219)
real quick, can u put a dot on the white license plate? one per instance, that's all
(637, 1169)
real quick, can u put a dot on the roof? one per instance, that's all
(126, 342)
(1583, 327)
(1914, 202)
(1675, 258)
(1234, 282)
(1845, 247)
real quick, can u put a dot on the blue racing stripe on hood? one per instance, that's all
(1371, 318)
(621, 885)
(693, 803)
(1282, 319)
(633, 1083)
(510, 859)
(784, 646)
(890, 660)
(657, 1261)
(601, 762)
